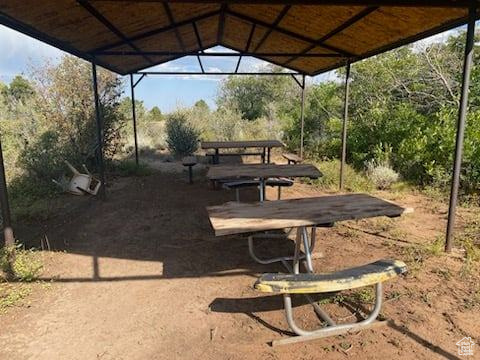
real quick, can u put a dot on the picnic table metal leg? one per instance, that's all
(308, 251)
(190, 175)
(296, 256)
(263, 156)
(216, 157)
(261, 189)
(305, 335)
(268, 155)
(282, 259)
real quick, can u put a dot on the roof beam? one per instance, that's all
(274, 62)
(200, 45)
(279, 18)
(96, 14)
(168, 11)
(215, 54)
(214, 73)
(362, 14)
(289, 33)
(157, 31)
(247, 47)
(221, 24)
(407, 3)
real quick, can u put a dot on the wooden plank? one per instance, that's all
(238, 218)
(241, 144)
(218, 172)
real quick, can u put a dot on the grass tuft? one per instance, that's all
(354, 181)
(130, 168)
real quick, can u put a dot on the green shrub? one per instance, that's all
(182, 138)
(26, 266)
(382, 176)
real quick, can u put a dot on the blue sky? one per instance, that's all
(20, 52)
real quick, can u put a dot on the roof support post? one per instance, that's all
(98, 117)
(6, 218)
(134, 117)
(462, 115)
(344, 128)
(302, 116)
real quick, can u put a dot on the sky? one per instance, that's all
(20, 52)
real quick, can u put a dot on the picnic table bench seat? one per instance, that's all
(292, 158)
(306, 283)
(310, 283)
(212, 156)
(238, 184)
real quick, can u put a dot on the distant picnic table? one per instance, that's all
(262, 172)
(266, 145)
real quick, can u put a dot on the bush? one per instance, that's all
(182, 138)
(355, 181)
(26, 266)
(382, 176)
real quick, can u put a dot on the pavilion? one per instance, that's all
(306, 36)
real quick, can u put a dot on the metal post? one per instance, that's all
(344, 129)
(6, 219)
(302, 116)
(98, 118)
(134, 117)
(462, 114)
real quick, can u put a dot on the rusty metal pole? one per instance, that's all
(462, 115)
(344, 129)
(302, 117)
(98, 117)
(6, 218)
(134, 117)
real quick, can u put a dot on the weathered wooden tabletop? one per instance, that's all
(241, 144)
(262, 171)
(236, 218)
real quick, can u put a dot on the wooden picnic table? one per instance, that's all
(237, 218)
(267, 145)
(262, 172)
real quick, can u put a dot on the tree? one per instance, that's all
(201, 105)
(58, 123)
(19, 89)
(155, 114)
(253, 95)
(125, 107)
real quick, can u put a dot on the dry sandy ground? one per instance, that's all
(141, 276)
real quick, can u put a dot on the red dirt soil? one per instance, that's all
(141, 276)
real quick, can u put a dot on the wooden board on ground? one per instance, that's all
(237, 218)
(218, 172)
(241, 144)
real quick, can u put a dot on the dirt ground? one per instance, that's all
(142, 276)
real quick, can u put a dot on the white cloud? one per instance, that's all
(18, 51)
